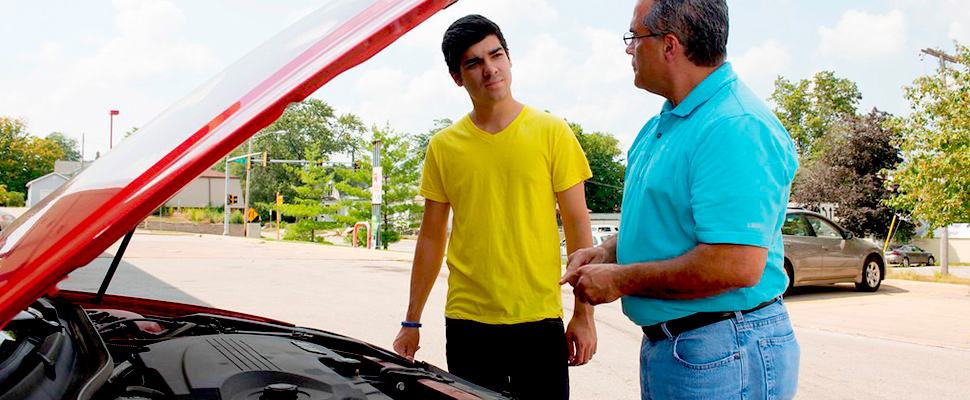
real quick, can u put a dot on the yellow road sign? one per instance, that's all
(251, 215)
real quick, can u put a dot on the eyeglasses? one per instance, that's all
(629, 36)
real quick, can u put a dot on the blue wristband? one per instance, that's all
(407, 324)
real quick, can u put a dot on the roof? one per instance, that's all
(52, 174)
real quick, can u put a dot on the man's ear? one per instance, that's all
(671, 46)
(457, 78)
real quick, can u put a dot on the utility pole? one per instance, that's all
(945, 239)
(377, 194)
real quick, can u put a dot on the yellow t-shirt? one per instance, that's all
(503, 255)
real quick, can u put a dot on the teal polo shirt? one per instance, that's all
(715, 169)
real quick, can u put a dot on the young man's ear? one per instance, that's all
(457, 78)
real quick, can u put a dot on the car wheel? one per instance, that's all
(871, 275)
(930, 262)
(906, 262)
(791, 277)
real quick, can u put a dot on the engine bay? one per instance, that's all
(57, 349)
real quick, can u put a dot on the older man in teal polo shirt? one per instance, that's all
(699, 261)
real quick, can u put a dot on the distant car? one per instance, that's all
(598, 238)
(819, 251)
(610, 229)
(908, 254)
(5, 220)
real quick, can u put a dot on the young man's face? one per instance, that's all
(485, 71)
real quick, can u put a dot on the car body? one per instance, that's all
(908, 254)
(819, 251)
(60, 344)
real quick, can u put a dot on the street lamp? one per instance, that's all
(250, 151)
(111, 128)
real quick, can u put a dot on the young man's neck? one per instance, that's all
(494, 117)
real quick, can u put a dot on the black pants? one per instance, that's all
(528, 360)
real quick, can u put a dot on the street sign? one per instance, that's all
(279, 199)
(251, 215)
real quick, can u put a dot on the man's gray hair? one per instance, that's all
(701, 25)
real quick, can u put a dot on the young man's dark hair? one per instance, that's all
(464, 33)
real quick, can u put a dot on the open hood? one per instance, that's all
(83, 217)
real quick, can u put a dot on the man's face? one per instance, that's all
(485, 71)
(647, 52)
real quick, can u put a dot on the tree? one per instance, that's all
(852, 173)
(935, 139)
(68, 146)
(810, 108)
(25, 157)
(309, 130)
(604, 191)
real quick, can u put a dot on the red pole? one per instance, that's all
(111, 128)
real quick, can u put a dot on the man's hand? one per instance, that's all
(581, 338)
(593, 283)
(406, 343)
(589, 255)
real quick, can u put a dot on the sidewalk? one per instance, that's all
(961, 271)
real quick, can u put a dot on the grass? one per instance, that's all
(936, 277)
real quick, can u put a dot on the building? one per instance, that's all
(208, 190)
(39, 188)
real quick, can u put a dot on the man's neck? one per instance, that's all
(495, 117)
(684, 82)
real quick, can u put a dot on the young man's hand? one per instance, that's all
(406, 343)
(581, 338)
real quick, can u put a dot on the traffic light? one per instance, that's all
(357, 165)
(319, 162)
(265, 158)
(231, 199)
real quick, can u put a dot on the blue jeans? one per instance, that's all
(750, 356)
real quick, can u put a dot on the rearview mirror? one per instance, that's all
(848, 235)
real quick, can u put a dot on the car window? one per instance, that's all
(795, 225)
(823, 228)
(917, 249)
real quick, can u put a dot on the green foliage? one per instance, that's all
(809, 108)
(68, 146)
(210, 215)
(308, 130)
(25, 157)
(604, 191)
(935, 139)
(236, 217)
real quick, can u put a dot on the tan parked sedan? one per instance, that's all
(818, 252)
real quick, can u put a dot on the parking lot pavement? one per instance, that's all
(909, 340)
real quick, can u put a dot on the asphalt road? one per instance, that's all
(909, 340)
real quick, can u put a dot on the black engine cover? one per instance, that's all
(243, 366)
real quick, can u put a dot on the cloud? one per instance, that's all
(959, 32)
(860, 35)
(760, 65)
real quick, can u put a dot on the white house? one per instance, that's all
(39, 188)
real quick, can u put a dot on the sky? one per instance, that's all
(66, 63)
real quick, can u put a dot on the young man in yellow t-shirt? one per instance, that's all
(502, 169)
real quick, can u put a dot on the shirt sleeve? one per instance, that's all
(432, 187)
(740, 177)
(569, 165)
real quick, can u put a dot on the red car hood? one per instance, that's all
(83, 217)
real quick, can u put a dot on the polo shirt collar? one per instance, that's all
(703, 91)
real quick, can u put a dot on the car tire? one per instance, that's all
(872, 275)
(906, 262)
(791, 277)
(930, 262)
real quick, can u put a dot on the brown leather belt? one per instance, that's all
(680, 325)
